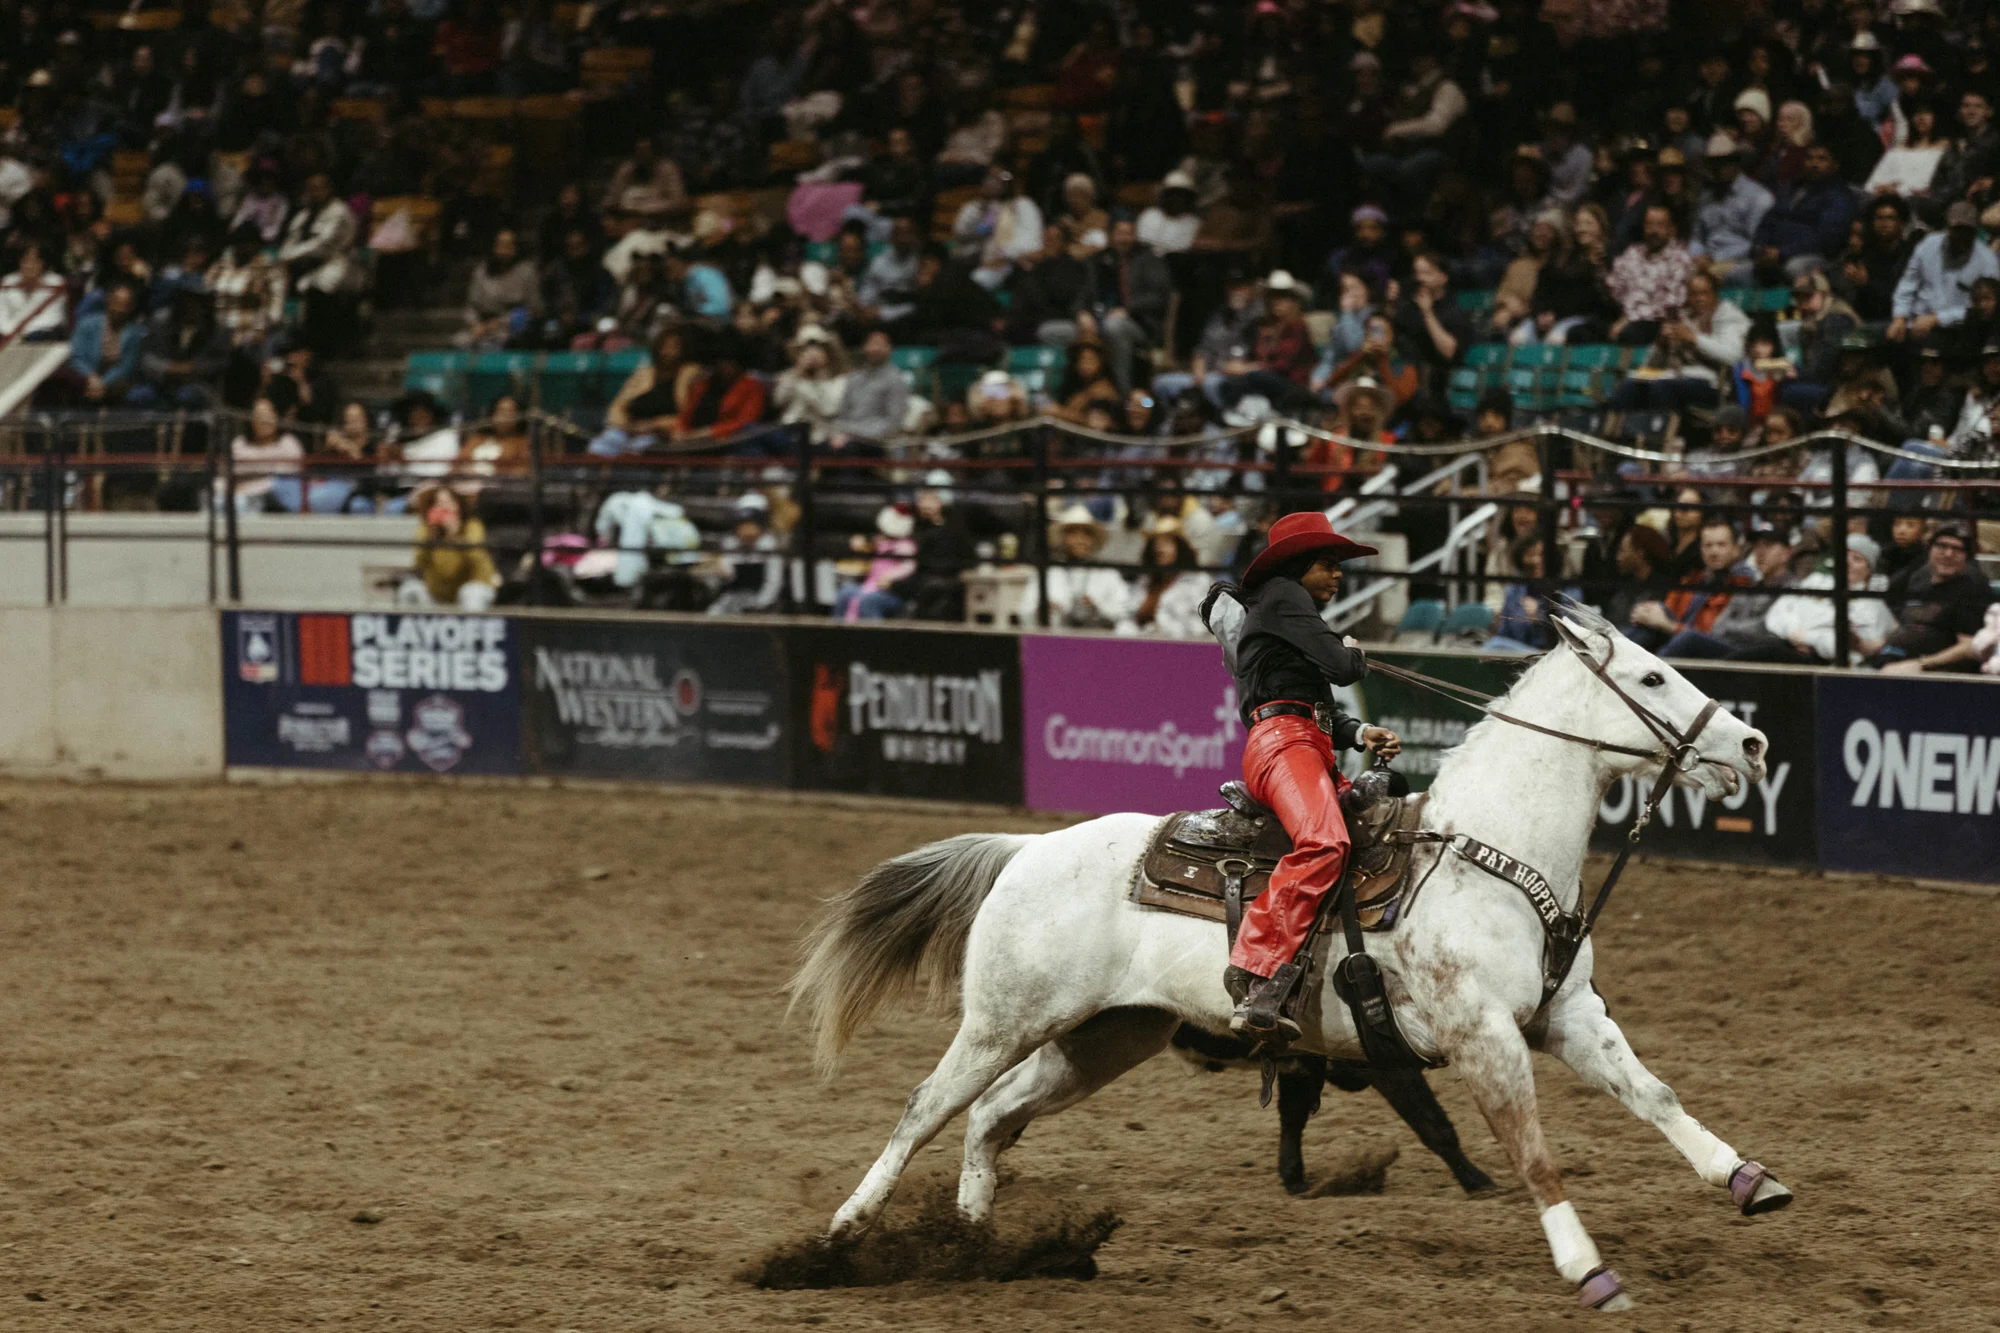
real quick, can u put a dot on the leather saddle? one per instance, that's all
(1194, 853)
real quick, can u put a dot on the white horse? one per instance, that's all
(1067, 984)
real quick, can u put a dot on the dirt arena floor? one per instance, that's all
(401, 1056)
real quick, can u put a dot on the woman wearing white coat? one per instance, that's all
(1171, 586)
(1806, 622)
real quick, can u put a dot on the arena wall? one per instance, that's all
(118, 692)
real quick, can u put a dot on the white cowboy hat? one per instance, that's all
(1367, 384)
(1281, 280)
(1177, 180)
(895, 521)
(1078, 516)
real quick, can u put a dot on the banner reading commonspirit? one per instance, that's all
(1127, 724)
(430, 693)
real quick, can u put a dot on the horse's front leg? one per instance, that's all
(1582, 1036)
(1492, 1058)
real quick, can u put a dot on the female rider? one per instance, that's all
(1284, 659)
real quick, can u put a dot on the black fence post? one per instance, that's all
(1841, 628)
(235, 551)
(1038, 525)
(208, 500)
(805, 531)
(61, 494)
(1281, 475)
(537, 520)
(51, 483)
(1548, 509)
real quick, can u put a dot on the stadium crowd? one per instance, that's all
(1393, 221)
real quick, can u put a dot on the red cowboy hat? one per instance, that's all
(1294, 535)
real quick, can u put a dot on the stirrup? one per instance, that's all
(1261, 1015)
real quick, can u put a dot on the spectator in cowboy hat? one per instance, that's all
(1170, 223)
(1168, 592)
(1082, 593)
(1283, 359)
(1728, 212)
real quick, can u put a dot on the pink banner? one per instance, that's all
(1127, 724)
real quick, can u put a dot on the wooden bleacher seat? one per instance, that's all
(1137, 195)
(1031, 96)
(794, 155)
(125, 212)
(557, 107)
(482, 108)
(371, 110)
(608, 68)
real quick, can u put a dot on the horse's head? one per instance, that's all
(1723, 755)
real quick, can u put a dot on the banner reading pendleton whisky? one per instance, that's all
(669, 701)
(901, 712)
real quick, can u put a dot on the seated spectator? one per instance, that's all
(697, 286)
(1642, 561)
(641, 523)
(751, 563)
(1227, 338)
(1649, 281)
(34, 303)
(503, 300)
(1740, 630)
(1282, 365)
(1907, 545)
(1732, 206)
(1369, 254)
(997, 398)
(1873, 269)
(1082, 593)
(249, 293)
(577, 292)
(888, 284)
(1130, 291)
(724, 403)
(318, 254)
(1986, 643)
(1048, 289)
(974, 145)
(426, 444)
(809, 393)
(1800, 624)
(1167, 595)
(1514, 298)
(951, 312)
(1084, 224)
(1375, 359)
(933, 589)
(1702, 595)
(649, 403)
(892, 559)
(1431, 331)
(896, 183)
(451, 566)
(104, 351)
(1908, 168)
(351, 438)
(874, 402)
(263, 457)
(1825, 323)
(1572, 303)
(182, 358)
(499, 445)
(1169, 225)
(1967, 169)
(1697, 347)
(1936, 286)
(1086, 379)
(1939, 605)
(992, 231)
(1412, 152)
(647, 184)
(1523, 623)
(1806, 228)
(293, 379)
(264, 205)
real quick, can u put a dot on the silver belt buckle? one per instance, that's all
(1323, 717)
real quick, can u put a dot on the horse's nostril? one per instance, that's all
(1752, 746)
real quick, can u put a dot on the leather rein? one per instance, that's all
(1566, 930)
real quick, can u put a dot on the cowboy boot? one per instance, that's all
(1258, 1000)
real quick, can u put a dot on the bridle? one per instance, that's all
(1567, 930)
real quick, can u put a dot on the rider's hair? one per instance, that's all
(1298, 566)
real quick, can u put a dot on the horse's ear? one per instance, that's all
(1574, 630)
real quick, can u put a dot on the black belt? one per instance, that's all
(1321, 716)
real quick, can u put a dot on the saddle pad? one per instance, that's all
(1183, 868)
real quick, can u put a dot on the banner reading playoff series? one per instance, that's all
(899, 712)
(398, 693)
(674, 702)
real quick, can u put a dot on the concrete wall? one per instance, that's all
(126, 560)
(117, 692)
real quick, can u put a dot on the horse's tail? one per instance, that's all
(903, 923)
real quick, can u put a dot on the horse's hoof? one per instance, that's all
(1601, 1290)
(1478, 1184)
(1757, 1190)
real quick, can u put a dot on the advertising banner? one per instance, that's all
(1127, 724)
(898, 712)
(670, 702)
(1908, 776)
(397, 693)
(1770, 823)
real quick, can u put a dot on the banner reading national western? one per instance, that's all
(1909, 777)
(901, 712)
(665, 700)
(1127, 724)
(395, 693)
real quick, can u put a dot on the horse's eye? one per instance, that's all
(1653, 680)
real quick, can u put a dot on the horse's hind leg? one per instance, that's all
(1058, 1076)
(1298, 1098)
(977, 1056)
(1493, 1060)
(1582, 1036)
(1409, 1092)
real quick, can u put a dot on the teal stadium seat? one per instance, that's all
(1475, 303)
(1481, 355)
(1592, 356)
(567, 380)
(915, 363)
(1469, 620)
(1772, 300)
(495, 373)
(440, 374)
(1465, 389)
(1540, 356)
(1421, 617)
(1578, 388)
(1039, 368)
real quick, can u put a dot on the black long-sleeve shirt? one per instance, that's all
(1285, 651)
